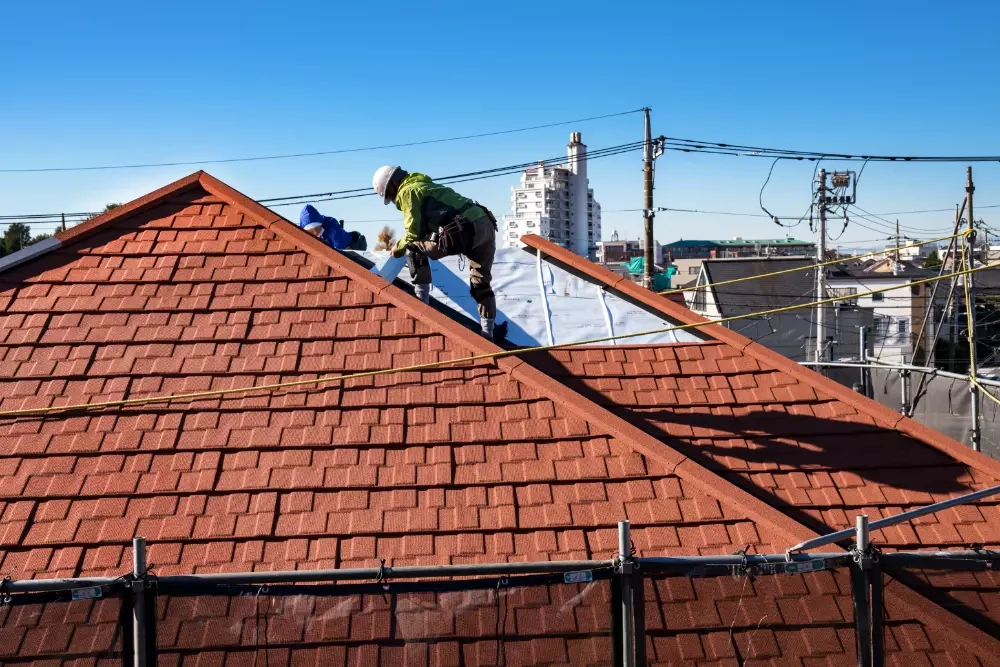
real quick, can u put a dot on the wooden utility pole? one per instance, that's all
(970, 307)
(897, 240)
(647, 203)
(820, 273)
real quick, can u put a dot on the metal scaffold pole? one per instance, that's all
(625, 572)
(970, 307)
(139, 604)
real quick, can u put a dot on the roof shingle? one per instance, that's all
(705, 448)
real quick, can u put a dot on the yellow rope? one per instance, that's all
(985, 393)
(438, 364)
(805, 268)
(970, 323)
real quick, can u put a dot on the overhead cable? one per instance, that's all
(337, 151)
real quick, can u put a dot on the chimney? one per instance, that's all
(577, 154)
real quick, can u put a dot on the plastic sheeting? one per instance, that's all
(536, 297)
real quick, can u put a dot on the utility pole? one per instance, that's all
(647, 202)
(820, 273)
(897, 240)
(952, 309)
(970, 307)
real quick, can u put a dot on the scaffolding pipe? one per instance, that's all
(861, 584)
(861, 533)
(139, 600)
(847, 533)
(50, 585)
(899, 559)
(406, 572)
(625, 563)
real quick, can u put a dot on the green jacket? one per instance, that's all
(425, 204)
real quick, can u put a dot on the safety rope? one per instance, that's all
(970, 325)
(500, 354)
(807, 267)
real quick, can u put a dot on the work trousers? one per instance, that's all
(480, 256)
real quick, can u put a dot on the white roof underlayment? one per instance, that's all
(543, 303)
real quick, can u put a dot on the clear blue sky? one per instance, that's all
(110, 83)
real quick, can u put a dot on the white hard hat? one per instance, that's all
(381, 181)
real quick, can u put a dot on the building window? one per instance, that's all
(513, 235)
(513, 225)
(529, 224)
(699, 300)
(849, 294)
(878, 296)
(901, 326)
(694, 270)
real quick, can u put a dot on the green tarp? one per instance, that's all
(661, 280)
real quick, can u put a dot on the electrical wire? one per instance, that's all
(696, 145)
(366, 191)
(55, 217)
(338, 151)
(455, 178)
(498, 354)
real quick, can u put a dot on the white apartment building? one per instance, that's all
(556, 203)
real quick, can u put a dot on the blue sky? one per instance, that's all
(111, 83)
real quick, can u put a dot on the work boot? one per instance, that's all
(423, 292)
(487, 324)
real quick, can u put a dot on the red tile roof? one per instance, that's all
(706, 448)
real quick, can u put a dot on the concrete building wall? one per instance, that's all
(556, 203)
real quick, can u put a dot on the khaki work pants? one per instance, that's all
(484, 245)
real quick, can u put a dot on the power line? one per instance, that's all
(42, 218)
(456, 178)
(338, 151)
(699, 146)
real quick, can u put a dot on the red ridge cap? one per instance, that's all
(99, 222)
(882, 414)
(236, 198)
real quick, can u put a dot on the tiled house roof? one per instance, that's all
(196, 287)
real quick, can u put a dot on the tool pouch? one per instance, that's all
(456, 236)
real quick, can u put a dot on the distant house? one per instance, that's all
(615, 250)
(791, 334)
(687, 272)
(737, 247)
(898, 313)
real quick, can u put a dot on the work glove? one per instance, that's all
(398, 252)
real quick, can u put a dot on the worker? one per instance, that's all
(330, 230)
(438, 223)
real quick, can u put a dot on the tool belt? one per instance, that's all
(457, 235)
